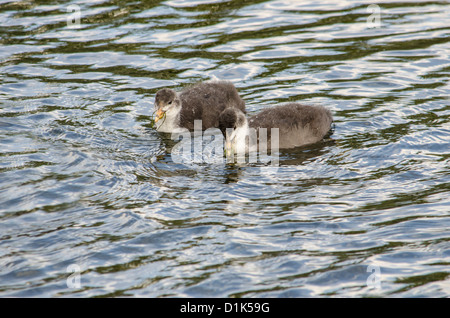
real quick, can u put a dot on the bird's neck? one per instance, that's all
(246, 139)
(170, 122)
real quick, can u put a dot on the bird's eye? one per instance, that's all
(170, 103)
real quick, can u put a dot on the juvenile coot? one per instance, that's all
(298, 125)
(204, 101)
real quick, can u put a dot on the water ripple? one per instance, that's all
(86, 181)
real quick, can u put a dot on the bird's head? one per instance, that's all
(166, 100)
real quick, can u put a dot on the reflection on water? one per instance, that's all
(85, 180)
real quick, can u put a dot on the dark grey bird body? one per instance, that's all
(297, 124)
(206, 101)
(203, 101)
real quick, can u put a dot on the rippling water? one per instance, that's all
(93, 204)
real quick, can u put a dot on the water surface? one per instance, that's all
(90, 191)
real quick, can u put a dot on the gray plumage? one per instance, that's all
(298, 124)
(203, 101)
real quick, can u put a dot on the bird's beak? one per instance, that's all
(229, 147)
(159, 114)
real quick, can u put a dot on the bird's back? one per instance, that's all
(206, 101)
(298, 124)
